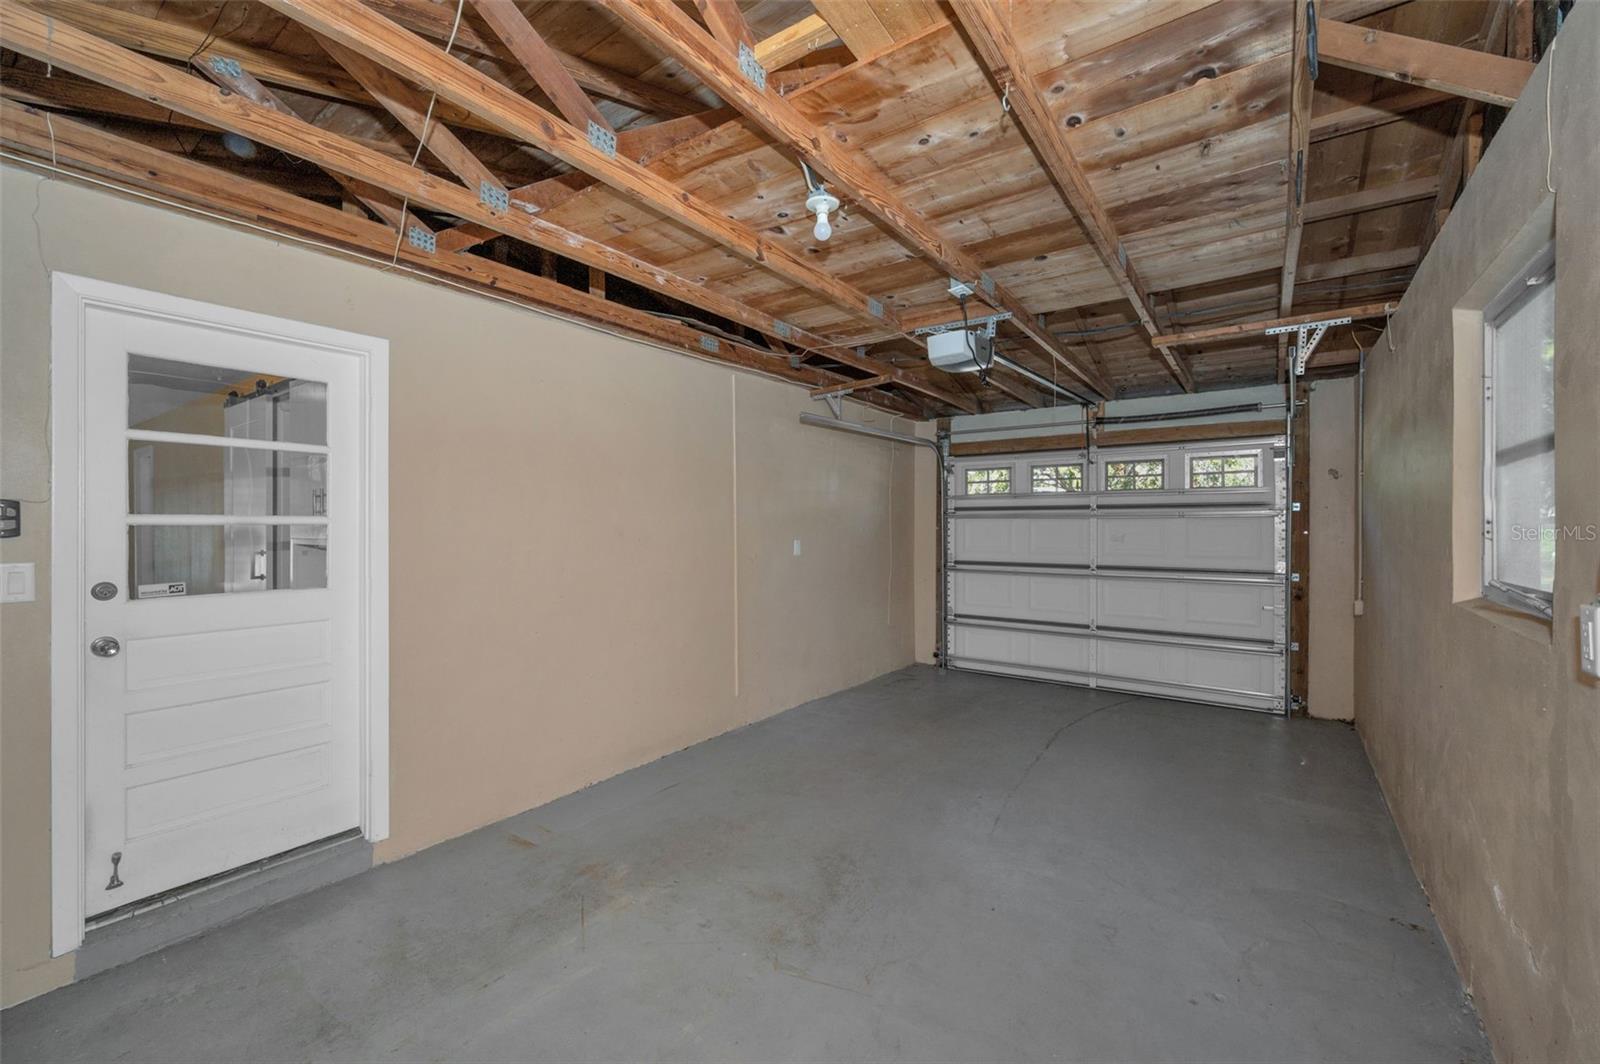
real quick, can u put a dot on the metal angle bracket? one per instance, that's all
(751, 67)
(835, 403)
(1307, 337)
(493, 196)
(421, 239)
(602, 138)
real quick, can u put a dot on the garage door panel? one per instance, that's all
(1244, 543)
(1190, 666)
(1047, 540)
(1054, 598)
(1065, 652)
(1172, 586)
(1190, 607)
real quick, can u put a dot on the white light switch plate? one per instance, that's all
(797, 548)
(16, 582)
(1589, 637)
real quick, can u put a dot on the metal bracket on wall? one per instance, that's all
(1307, 337)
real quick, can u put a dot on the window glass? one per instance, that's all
(1224, 471)
(1048, 479)
(1519, 423)
(168, 561)
(1145, 474)
(989, 481)
(180, 478)
(170, 396)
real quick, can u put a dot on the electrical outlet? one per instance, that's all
(16, 582)
(1589, 637)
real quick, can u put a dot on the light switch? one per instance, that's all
(16, 582)
(797, 548)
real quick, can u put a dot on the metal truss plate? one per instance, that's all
(874, 307)
(493, 196)
(710, 344)
(986, 282)
(421, 239)
(784, 330)
(602, 138)
(751, 67)
(227, 67)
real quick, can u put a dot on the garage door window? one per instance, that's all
(1144, 474)
(1053, 479)
(995, 481)
(1225, 471)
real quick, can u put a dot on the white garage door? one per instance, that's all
(1155, 569)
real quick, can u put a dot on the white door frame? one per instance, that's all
(70, 297)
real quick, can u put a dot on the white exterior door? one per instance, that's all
(223, 625)
(1159, 569)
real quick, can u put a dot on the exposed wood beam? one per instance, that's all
(1354, 118)
(1465, 72)
(726, 23)
(1251, 328)
(541, 62)
(852, 173)
(1454, 165)
(639, 144)
(1295, 167)
(25, 30)
(385, 42)
(82, 147)
(410, 108)
(853, 386)
(810, 34)
(989, 28)
(435, 20)
(1371, 199)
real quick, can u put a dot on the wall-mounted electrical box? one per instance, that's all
(10, 519)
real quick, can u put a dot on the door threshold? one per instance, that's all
(221, 879)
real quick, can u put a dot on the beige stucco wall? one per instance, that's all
(1330, 679)
(1484, 735)
(592, 540)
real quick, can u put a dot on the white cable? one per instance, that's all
(1549, 139)
(427, 116)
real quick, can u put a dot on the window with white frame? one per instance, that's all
(995, 481)
(1225, 470)
(1053, 479)
(1519, 462)
(1142, 474)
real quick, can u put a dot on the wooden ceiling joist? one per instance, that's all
(852, 173)
(76, 145)
(542, 62)
(1468, 72)
(989, 28)
(1299, 156)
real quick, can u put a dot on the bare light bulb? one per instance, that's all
(823, 203)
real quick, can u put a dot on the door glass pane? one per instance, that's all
(169, 396)
(181, 478)
(166, 561)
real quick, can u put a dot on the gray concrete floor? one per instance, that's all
(927, 867)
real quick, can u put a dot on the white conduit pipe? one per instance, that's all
(938, 456)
